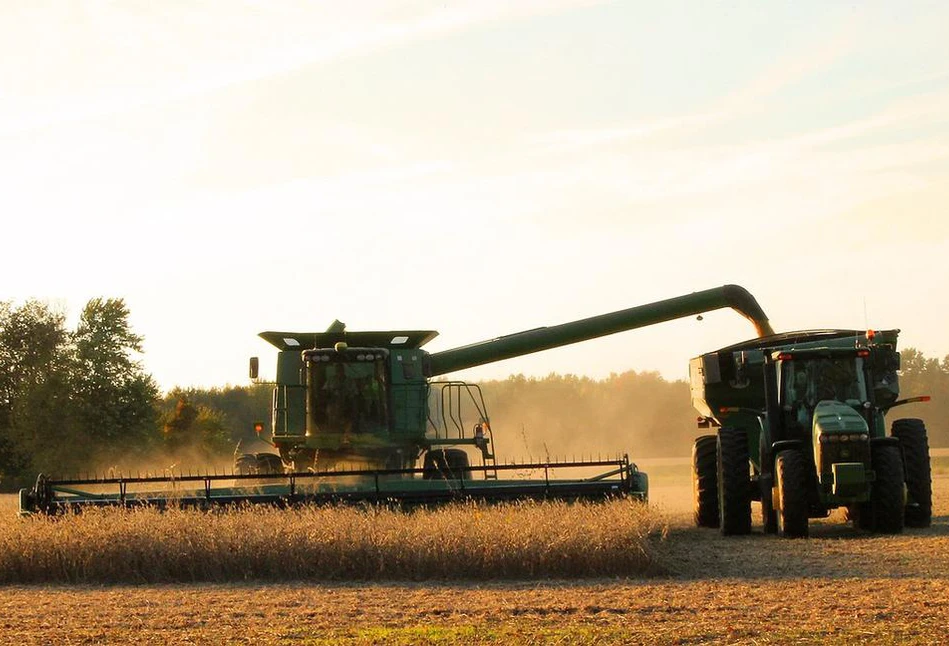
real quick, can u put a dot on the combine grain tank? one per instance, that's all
(807, 411)
(362, 416)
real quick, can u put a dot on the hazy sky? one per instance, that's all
(475, 167)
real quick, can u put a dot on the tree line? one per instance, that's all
(80, 401)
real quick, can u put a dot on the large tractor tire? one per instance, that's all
(705, 481)
(245, 464)
(791, 475)
(917, 470)
(269, 463)
(886, 494)
(734, 483)
(446, 464)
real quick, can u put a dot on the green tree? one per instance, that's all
(920, 375)
(34, 362)
(239, 406)
(115, 399)
(194, 432)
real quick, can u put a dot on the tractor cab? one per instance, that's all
(825, 380)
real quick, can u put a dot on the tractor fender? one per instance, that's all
(783, 445)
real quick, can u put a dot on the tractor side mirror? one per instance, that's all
(254, 367)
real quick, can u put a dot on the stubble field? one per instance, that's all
(840, 585)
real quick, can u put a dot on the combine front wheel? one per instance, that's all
(734, 484)
(268, 463)
(446, 464)
(705, 481)
(792, 512)
(245, 464)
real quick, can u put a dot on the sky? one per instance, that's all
(476, 167)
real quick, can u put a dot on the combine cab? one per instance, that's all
(806, 411)
(361, 416)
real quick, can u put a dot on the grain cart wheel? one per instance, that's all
(245, 464)
(445, 464)
(886, 494)
(734, 484)
(268, 463)
(705, 481)
(791, 475)
(860, 515)
(917, 471)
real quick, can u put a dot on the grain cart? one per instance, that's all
(807, 411)
(361, 416)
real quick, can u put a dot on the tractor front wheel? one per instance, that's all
(734, 483)
(705, 481)
(917, 470)
(886, 494)
(792, 511)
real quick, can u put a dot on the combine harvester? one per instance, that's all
(806, 410)
(357, 417)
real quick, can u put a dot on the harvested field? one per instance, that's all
(839, 585)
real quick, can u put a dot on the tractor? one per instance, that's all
(801, 427)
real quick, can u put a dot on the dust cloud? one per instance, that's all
(565, 417)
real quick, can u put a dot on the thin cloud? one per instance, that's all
(98, 61)
(734, 105)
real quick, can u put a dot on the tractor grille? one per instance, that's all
(843, 450)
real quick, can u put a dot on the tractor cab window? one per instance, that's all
(348, 396)
(809, 381)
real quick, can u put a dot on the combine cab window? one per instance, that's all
(348, 397)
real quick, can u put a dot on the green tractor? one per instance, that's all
(801, 428)
(362, 416)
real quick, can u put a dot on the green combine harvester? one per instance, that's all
(802, 429)
(362, 417)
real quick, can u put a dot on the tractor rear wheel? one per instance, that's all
(734, 483)
(886, 494)
(705, 481)
(446, 464)
(917, 471)
(792, 512)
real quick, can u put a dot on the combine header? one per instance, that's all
(361, 417)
